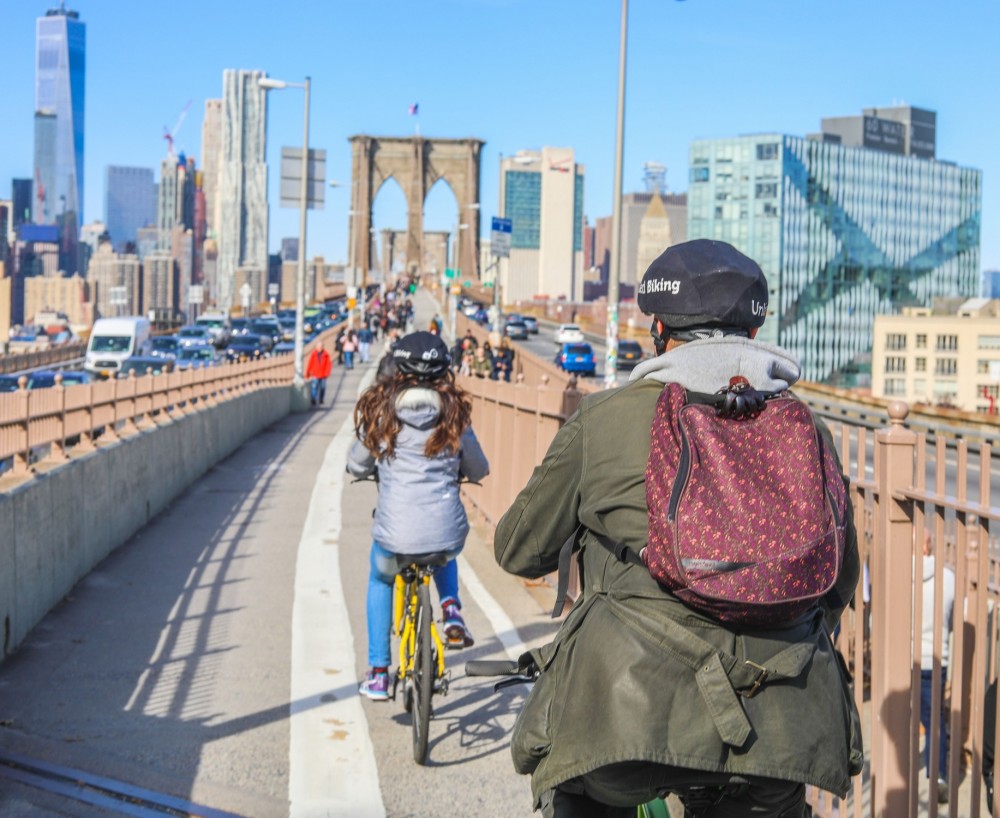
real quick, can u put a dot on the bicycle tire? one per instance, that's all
(423, 675)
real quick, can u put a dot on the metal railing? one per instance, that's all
(39, 426)
(20, 361)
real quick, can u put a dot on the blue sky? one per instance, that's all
(517, 74)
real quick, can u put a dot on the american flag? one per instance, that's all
(414, 109)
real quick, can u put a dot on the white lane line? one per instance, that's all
(332, 769)
(502, 625)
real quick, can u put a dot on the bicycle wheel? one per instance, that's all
(423, 675)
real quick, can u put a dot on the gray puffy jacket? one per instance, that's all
(419, 509)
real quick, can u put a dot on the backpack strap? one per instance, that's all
(565, 556)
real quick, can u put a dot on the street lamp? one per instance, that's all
(611, 340)
(452, 301)
(271, 84)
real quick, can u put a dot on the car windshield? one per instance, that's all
(263, 326)
(578, 349)
(141, 367)
(110, 343)
(214, 323)
(247, 341)
(196, 354)
(164, 343)
(239, 323)
(193, 332)
(629, 346)
(570, 328)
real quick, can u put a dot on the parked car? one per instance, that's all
(531, 323)
(165, 346)
(246, 348)
(568, 334)
(629, 354)
(145, 365)
(516, 330)
(194, 357)
(577, 358)
(481, 317)
(194, 335)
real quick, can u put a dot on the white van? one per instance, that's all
(112, 340)
(217, 323)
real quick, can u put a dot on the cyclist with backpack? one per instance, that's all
(414, 430)
(717, 550)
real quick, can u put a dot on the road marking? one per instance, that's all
(502, 625)
(327, 777)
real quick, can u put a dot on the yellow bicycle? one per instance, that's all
(421, 669)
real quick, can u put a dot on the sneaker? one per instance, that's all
(942, 791)
(375, 686)
(455, 629)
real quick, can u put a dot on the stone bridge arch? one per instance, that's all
(416, 163)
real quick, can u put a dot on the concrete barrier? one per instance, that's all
(56, 528)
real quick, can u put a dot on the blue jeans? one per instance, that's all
(349, 358)
(926, 680)
(317, 387)
(381, 578)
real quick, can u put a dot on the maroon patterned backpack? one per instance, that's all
(747, 506)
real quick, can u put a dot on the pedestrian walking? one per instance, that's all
(318, 369)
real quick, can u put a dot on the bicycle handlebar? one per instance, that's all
(492, 667)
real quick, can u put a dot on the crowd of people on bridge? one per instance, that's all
(469, 357)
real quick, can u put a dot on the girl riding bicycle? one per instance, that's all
(414, 429)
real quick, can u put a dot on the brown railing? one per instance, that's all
(42, 425)
(19, 361)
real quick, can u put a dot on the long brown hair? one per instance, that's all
(376, 423)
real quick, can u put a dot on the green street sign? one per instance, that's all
(449, 273)
(467, 283)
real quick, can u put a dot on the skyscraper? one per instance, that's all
(242, 193)
(541, 192)
(129, 203)
(59, 108)
(843, 232)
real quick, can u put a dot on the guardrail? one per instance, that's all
(21, 361)
(42, 425)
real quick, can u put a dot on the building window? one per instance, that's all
(919, 387)
(895, 386)
(767, 151)
(718, 212)
(946, 366)
(770, 210)
(990, 391)
(699, 174)
(766, 190)
(920, 365)
(921, 342)
(895, 364)
(989, 341)
(982, 367)
(895, 340)
(947, 343)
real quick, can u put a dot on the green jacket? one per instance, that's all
(635, 675)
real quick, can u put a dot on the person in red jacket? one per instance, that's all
(317, 371)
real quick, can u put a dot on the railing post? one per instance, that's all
(571, 398)
(22, 457)
(892, 614)
(57, 450)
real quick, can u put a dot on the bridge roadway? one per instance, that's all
(215, 657)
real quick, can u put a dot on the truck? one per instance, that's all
(112, 340)
(217, 323)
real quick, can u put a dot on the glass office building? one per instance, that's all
(129, 203)
(843, 233)
(59, 106)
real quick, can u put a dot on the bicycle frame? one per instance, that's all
(404, 616)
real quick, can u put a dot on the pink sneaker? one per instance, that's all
(455, 628)
(375, 686)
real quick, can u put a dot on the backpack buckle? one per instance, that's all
(761, 678)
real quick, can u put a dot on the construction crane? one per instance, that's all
(172, 133)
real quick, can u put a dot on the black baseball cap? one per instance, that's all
(704, 283)
(422, 354)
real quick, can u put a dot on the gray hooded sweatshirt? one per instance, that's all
(419, 509)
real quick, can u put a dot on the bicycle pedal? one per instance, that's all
(454, 643)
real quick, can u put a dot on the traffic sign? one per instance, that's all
(196, 294)
(456, 289)
(245, 292)
(449, 272)
(272, 289)
(500, 234)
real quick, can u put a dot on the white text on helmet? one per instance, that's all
(659, 286)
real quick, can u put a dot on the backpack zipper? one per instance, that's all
(683, 467)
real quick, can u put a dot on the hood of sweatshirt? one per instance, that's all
(707, 365)
(418, 407)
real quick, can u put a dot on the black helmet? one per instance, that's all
(422, 354)
(702, 284)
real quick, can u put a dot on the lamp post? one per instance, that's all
(611, 340)
(452, 301)
(271, 84)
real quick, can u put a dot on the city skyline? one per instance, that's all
(695, 71)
